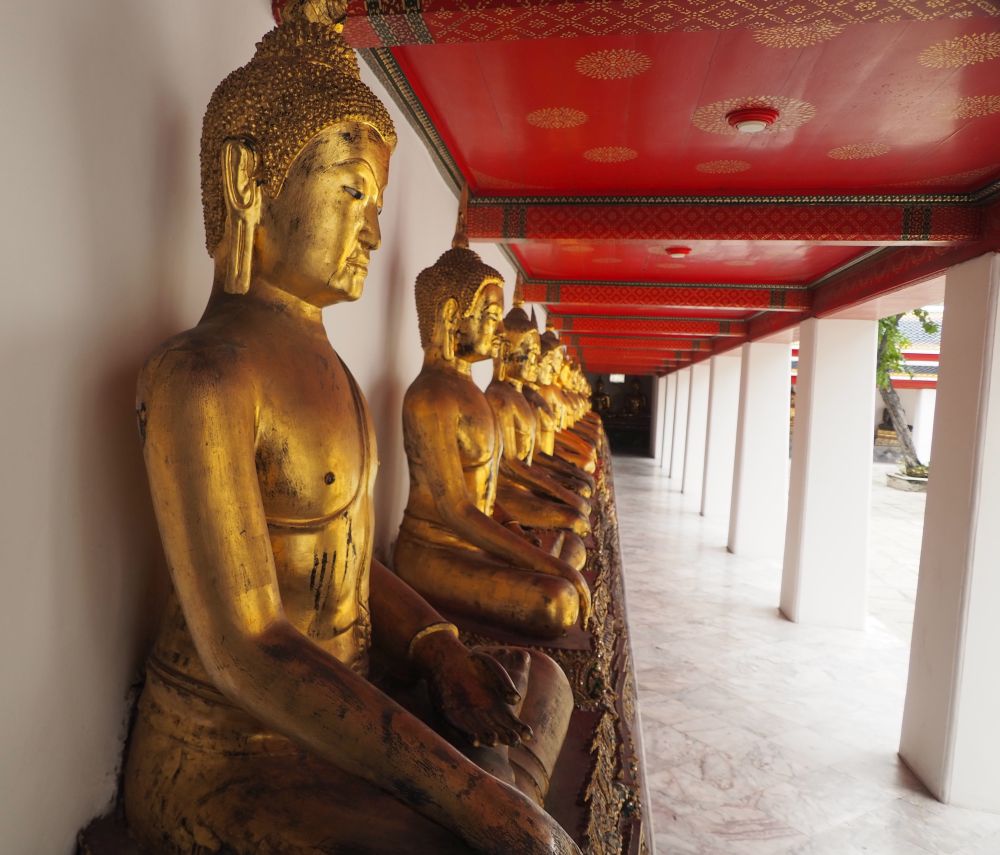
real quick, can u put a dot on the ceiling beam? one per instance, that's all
(876, 221)
(674, 296)
(647, 326)
(400, 22)
(601, 342)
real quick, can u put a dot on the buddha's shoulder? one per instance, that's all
(208, 355)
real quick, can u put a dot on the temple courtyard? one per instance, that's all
(763, 736)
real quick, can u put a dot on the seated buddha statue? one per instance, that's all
(635, 401)
(564, 444)
(264, 725)
(601, 402)
(529, 493)
(450, 546)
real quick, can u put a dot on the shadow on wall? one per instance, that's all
(385, 395)
(114, 206)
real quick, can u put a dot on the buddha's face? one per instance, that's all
(548, 367)
(479, 328)
(522, 360)
(316, 237)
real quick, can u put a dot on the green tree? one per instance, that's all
(891, 344)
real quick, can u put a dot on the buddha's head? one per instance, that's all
(523, 346)
(551, 360)
(294, 159)
(460, 303)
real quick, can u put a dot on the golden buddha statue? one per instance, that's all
(262, 726)
(601, 402)
(556, 439)
(450, 547)
(528, 493)
(635, 401)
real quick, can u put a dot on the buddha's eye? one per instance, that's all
(353, 192)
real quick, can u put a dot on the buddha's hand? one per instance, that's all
(476, 690)
(508, 822)
(581, 525)
(583, 590)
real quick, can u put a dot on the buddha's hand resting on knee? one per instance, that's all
(507, 822)
(474, 691)
(583, 590)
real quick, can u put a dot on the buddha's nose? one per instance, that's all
(371, 234)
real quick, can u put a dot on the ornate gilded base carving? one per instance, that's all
(607, 813)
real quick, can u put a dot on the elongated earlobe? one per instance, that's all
(449, 320)
(243, 207)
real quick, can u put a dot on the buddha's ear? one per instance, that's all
(242, 197)
(449, 328)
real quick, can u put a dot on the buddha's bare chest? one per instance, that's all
(313, 449)
(475, 429)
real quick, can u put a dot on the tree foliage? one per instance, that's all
(891, 344)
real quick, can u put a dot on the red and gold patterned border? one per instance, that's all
(596, 340)
(373, 23)
(887, 223)
(675, 296)
(647, 326)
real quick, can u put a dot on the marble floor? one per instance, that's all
(763, 736)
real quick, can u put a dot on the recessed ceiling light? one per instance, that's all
(752, 120)
(678, 251)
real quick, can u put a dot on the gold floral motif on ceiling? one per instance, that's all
(576, 248)
(962, 51)
(798, 35)
(976, 106)
(556, 117)
(614, 64)
(611, 154)
(792, 113)
(858, 151)
(723, 167)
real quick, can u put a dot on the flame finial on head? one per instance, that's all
(461, 238)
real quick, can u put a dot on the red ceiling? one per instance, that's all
(866, 85)
(907, 103)
(734, 261)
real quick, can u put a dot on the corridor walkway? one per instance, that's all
(763, 736)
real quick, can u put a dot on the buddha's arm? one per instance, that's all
(430, 425)
(536, 478)
(200, 422)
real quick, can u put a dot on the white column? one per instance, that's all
(679, 433)
(694, 447)
(720, 437)
(658, 408)
(950, 735)
(760, 474)
(668, 421)
(923, 423)
(826, 542)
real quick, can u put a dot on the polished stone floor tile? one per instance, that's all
(764, 737)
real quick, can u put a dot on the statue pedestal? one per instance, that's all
(598, 791)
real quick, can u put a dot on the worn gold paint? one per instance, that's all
(261, 727)
(456, 546)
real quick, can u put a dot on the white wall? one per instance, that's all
(103, 257)
(377, 336)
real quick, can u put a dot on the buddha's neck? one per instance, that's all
(435, 358)
(272, 296)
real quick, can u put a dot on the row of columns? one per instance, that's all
(722, 436)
